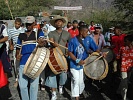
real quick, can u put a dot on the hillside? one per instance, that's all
(89, 6)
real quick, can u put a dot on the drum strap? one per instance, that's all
(80, 41)
(60, 37)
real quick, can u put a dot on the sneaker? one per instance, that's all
(42, 88)
(61, 89)
(54, 97)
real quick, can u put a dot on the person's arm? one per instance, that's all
(51, 38)
(41, 42)
(18, 55)
(78, 61)
(18, 48)
(11, 46)
(72, 56)
(54, 44)
(4, 39)
(5, 35)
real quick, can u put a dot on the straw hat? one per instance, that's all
(64, 19)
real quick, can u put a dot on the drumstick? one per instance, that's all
(95, 59)
(100, 57)
(88, 57)
(58, 44)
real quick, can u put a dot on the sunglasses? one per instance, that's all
(28, 24)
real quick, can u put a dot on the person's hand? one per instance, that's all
(41, 42)
(18, 57)
(104, 54)
(81, 62)
(11, 47)
(55, 44)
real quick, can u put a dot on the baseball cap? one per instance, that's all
(111, 28)
(30, 19)
(97, 26)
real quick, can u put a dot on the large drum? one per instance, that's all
(57, 62)
(110, 54)
(96, 69)
(36, 62)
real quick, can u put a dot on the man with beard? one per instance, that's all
(58, 36)
(98, 37)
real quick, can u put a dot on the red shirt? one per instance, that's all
(73, 33)
(117, 42)
(92, 28)
(126, 56)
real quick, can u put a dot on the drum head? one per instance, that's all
(36, 62)
(95, 69)
(57, 62)
(110, 54)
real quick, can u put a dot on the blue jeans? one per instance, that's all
(23, 82)
(51, 80)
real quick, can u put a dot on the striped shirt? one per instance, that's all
(14, 33)
(28, 45)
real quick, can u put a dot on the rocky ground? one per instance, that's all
(94, 90)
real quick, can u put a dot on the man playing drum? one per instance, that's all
(78, 52)
(58, 36)
(25, 45)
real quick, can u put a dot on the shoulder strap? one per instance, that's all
(80, 41)
(60, 37)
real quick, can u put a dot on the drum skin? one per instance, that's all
(110, 54)
(36, 62)
(96, 70)
(57, 62)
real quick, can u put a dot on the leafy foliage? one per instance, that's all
(125, 6)
(24, 7)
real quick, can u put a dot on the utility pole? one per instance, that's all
(92, 9)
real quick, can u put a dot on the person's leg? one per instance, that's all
(23, 82)
(81, 81)
(62, 81)
(124, 85)
(52, 83)
(129, 75)
(5, 93)
(34, 88)
(42, 78)
(75, 83)
(63, 78)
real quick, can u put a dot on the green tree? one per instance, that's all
(4, 12)
(24, 7)
(125, 6)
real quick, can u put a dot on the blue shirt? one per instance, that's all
(78, 50)
(27, 48)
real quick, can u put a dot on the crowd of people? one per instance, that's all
(81, 39)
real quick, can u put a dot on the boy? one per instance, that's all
(78, 52)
